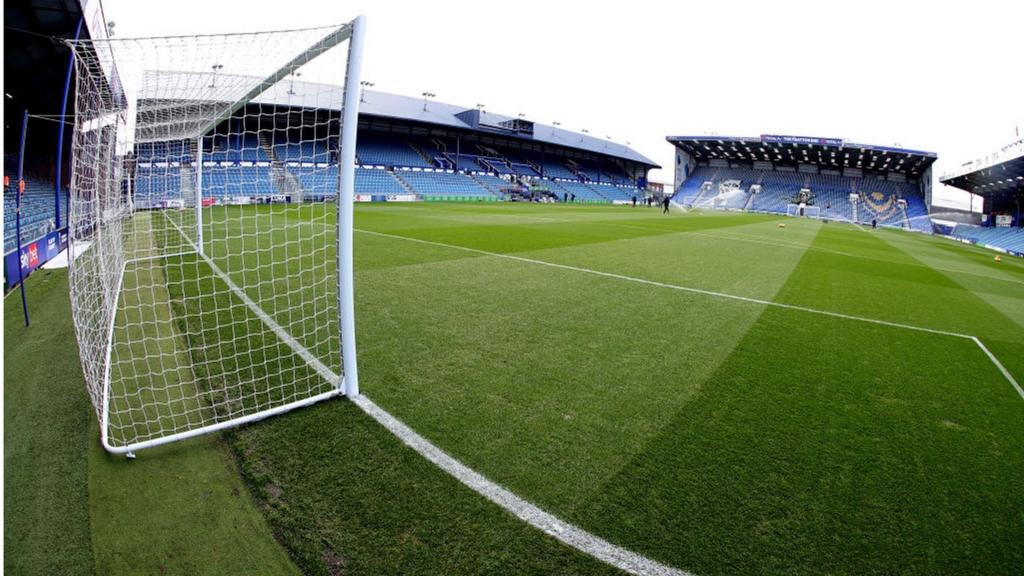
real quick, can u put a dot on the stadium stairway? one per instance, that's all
(702, 197)
(419, 150)
(491, 183)
(186, 180)
(576, 170)
(405, 185)
(554, 170)
(284, 181)
(750, 200)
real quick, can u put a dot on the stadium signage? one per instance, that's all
(808, 140)
(33, 255)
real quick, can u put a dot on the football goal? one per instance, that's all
(211, 218)
(803, 210)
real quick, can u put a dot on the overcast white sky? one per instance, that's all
(938, 76)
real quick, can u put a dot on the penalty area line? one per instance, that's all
(995, 361)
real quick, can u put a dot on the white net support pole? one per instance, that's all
(346, 207)
(199, 195)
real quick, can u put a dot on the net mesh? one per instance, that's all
(803, 210)
(203, 216)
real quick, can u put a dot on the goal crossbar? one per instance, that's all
(332, 39)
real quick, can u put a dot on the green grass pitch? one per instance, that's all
(569, 354)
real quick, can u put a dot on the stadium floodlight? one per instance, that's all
(291, 82)
(362, 91)
(216, 68)
(211, 222)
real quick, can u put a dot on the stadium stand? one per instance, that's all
(556, 170)
(583, 192)
(37, 212)
(1006, 238)
(455, 159)
(375, 182)
(998, 178)
(376, 150)
(611, 192)
(396, 164)
(156, 185)
(444, 185)
(772, 173)
(494, 183)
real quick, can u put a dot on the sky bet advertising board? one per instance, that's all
(33, 255)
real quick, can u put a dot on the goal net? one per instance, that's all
(211, 218)
(803, 210)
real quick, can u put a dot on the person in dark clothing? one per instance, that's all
(664, 202)
(573, 196)
(634, 200)
(874, 223)
(565, 196)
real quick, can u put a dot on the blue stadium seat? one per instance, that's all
(38, 215)
(877, 199)
(392, 152)
(1005, 238)
(443, 184)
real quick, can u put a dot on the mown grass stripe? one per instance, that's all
(713, 293)
(531, 514)
(527, 512)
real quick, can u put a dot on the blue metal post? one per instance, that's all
(60, 129)
(17, 196)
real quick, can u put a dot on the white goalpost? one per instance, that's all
(211, 216)
(803, 210)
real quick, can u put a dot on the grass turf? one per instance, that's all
(70, 508)
(715, 435)
(46, 445)
(611, 396)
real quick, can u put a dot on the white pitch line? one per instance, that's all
(671, 286)
(526, 511)
(999, 365)
(724, 295)
(752, 239)
(533, 515)
(304, 353)
(762, 241)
